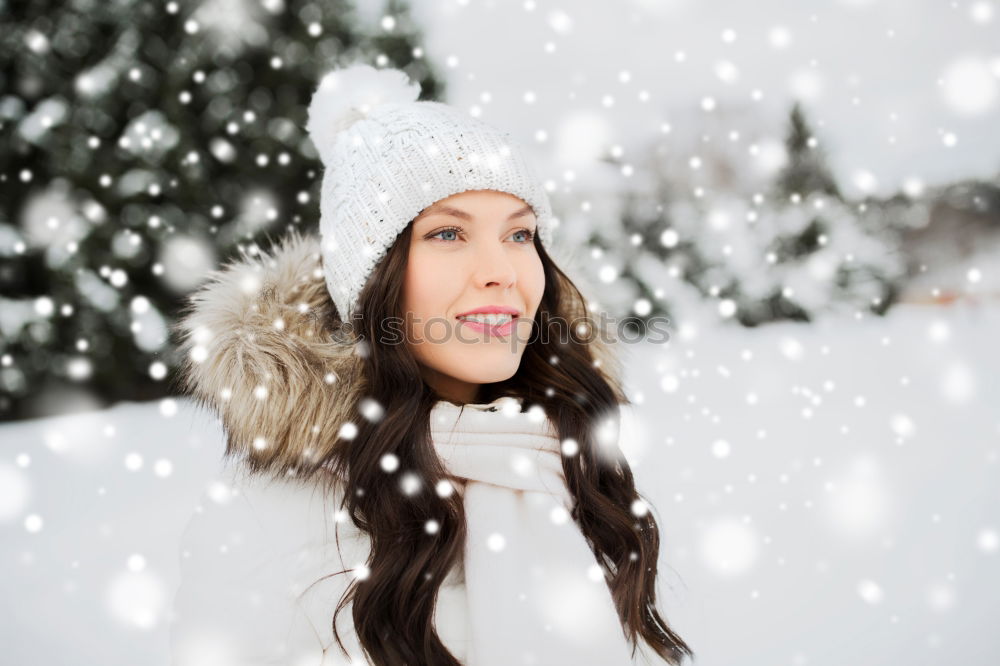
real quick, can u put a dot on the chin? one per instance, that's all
(482, 371)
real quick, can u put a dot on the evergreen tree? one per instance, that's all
(705, 248)
(141, 145)
(806, 169)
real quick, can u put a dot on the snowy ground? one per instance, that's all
(827, 494)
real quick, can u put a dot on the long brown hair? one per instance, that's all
(393, 605)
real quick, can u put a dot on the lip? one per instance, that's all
(491, 309)
(502, 329)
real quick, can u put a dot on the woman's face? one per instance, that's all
(470, 252)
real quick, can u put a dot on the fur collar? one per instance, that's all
(258, 348)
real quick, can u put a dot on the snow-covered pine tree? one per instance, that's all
(141, 144)
(805, 170)
(754, 249)
(828, 253)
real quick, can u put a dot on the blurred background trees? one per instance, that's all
(144, 144)
(141, 145)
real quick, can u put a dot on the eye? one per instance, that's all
(530, 235)
(449, 230)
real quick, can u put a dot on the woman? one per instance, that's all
(423, 420)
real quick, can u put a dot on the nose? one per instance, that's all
(494, 267)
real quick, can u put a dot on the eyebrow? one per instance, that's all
(461, 214)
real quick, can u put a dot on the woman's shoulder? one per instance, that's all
(264, 562)
(260, 514)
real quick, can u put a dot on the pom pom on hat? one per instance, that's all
(346, 95)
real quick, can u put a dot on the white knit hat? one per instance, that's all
(389, 156)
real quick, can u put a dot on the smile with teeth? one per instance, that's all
(488, 319)
(497, 324)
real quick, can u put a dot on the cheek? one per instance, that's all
(426, 295)
(421, 276)
(532, 278)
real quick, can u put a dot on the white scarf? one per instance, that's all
(536, 594)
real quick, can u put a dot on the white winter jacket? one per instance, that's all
(253, 558)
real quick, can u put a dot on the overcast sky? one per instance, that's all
(896, 89)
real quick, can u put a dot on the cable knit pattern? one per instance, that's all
(397, 159)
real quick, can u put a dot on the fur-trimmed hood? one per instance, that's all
(259, 348)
